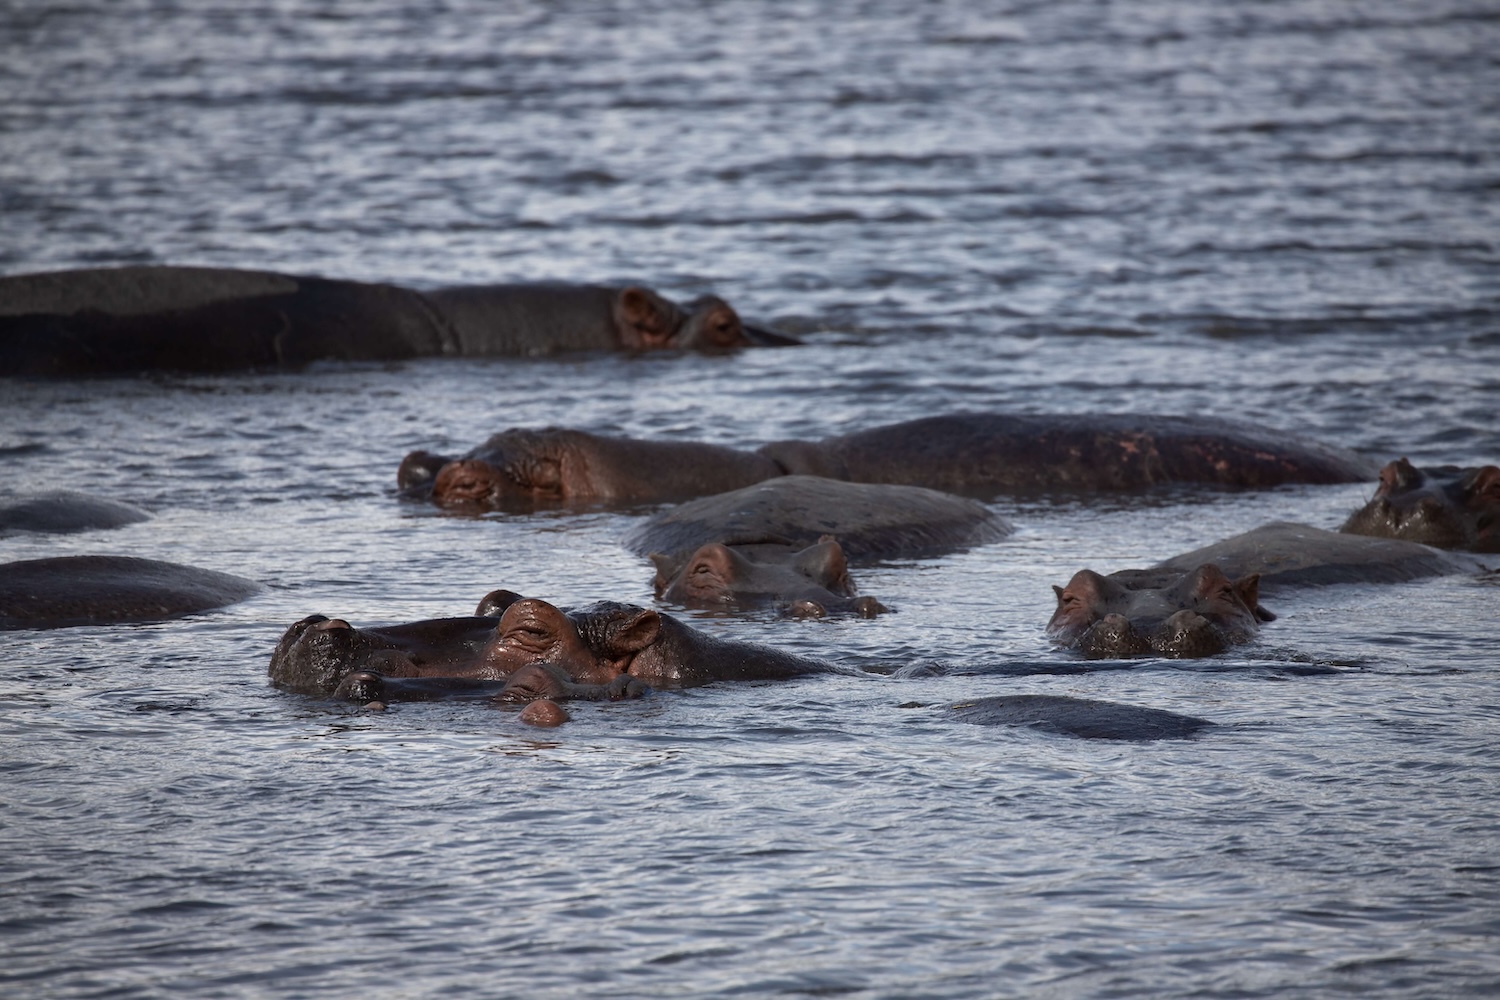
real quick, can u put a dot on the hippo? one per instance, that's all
(65, 512)
(65, 591)
(804, 583)
(1283, 554)
(317, 653)
(519, 469)
(872, 522)
(197, 319)
(986, 454)
(1192, 613)
(1082, 717)
(1446, 506)
(590, 649)
(975, 454)
(788, 541)
(552, 318)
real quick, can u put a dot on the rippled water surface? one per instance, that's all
(1279, 212)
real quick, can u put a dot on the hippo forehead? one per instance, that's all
(598, 623)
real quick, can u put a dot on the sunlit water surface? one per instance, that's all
(1281, 212)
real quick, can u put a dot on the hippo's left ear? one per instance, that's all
(666, 568)
(635, 633)
(1248, 587)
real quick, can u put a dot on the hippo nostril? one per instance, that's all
(868, 607)
(806, 609)
(1112, 637)
(333, 624)
(1186, 635)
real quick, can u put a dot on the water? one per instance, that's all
(1279, 212)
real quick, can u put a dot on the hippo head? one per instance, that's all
(646, 321)
(1447, 507)
(808, 583)
(1199, 613)
(316, 654)
(590, 647)
(515, 468)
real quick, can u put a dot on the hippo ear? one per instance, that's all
(645, 320)
(493, 604)
(635, 633)
(1486, 484)
(826, 565)
(666, 568)
(1248, 587)
(1059, 592)
(1398, 477)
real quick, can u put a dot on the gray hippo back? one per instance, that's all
(870, 521)
(63, 511)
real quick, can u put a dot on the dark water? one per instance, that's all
(1281, 212)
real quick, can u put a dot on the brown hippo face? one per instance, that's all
(645, 322)
(476, 482)
(712, 325)
(1200, 613)
(532, 631)
(1447, 507)
(810, 582)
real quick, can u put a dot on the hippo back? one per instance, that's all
(870, 521)
(522, 319)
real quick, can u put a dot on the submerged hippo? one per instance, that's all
(1283, 554)
(871, 521)
(64, 512)
(1081, 717)
(1192, 613)
(522, 468)
(978, 454)
(789, 540)
(804, 583)
(1447, 506)
(129, 319)
(589, 649)
(107, 590)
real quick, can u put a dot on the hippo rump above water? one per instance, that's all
(158, 318)
(64, 512)
(974, 454)
(67, 591)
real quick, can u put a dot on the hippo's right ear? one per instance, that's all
(635, 633)
(1059, 592)
(645, 320)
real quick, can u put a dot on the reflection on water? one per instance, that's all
(1280, 214)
